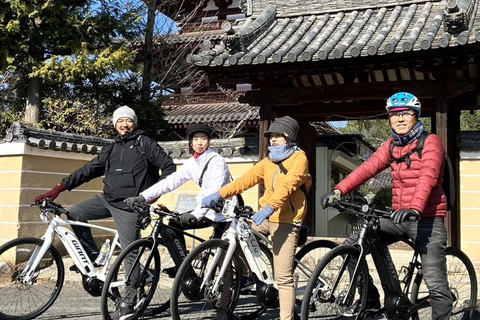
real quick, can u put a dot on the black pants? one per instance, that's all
(430, 239)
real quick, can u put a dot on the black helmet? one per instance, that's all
(199, 128)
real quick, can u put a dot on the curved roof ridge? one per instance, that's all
(428, 38)
(357, 49)
(418, 27)
(308, 37)
(373, 48)
(352, 35)
(322, 37)
(407, 19)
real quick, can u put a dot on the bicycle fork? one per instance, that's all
(28, 274)
(232, 243)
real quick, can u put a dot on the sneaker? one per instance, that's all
(372, 306)
(170, 272)
(123, 312)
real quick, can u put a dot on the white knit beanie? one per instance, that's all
(124, 112)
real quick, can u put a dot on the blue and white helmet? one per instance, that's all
(402, 101)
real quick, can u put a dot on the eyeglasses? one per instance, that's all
(398, 114)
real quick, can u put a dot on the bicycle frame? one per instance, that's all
(240, 232)
(57, 225)
(395, 297)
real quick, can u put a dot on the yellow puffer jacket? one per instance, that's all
(282, 192)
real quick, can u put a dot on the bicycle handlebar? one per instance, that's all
(49, 205)
(365, 209)
(240, 211)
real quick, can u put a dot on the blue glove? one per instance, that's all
(403, 215)
(210, 200)
(263, 214)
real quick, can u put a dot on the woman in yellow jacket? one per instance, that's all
(284, 205)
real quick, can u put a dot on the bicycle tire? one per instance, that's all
(115, 289)
(28, 301)
(323, 300)
(189, 300)
(248, 305)
(306, 259)
(462, 281)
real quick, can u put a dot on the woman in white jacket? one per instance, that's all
(208, 170)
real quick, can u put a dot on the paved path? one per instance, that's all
(75, 303)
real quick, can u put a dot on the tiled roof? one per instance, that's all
(326, 30)
(55, 140)
(186, 114)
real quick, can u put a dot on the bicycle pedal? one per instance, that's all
(373, 312)
(74, 268)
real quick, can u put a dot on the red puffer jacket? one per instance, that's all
(418, 187)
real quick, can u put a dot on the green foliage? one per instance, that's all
(77, 48)
(382, 198)
(376, 131)
(470, 121)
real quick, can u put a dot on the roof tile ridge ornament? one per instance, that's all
(464, 35)
(457, 18)
(240, 40)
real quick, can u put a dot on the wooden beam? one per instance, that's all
(291, 96)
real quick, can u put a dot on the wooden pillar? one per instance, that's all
(309, 144)
(447, 133)
(265, 114)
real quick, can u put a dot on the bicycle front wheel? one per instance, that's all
(462, 281)
(306, 260)
(27, 299)
(198, 292)
(332, 293)
(132, 279)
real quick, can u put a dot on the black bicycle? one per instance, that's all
(162, 250)
(339, 284)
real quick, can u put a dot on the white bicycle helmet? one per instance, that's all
(404, 100)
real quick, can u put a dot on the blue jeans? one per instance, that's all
(430, 239)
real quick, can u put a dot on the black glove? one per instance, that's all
(133, 200)
(403, 215)
(187, 218)
(328, 198)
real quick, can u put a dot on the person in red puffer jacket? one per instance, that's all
(417, 193)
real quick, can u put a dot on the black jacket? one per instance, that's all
(130, 165)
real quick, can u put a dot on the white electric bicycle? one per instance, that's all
(216, 276)
(32, 270)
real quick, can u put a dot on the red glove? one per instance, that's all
(52, 194)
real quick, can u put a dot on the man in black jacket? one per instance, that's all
(130, 165)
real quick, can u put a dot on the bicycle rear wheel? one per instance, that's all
(20, 300)
(327, 293)
(133, 285)
(462, 281)
(191, 300)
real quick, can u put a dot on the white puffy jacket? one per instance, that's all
(216, 176)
